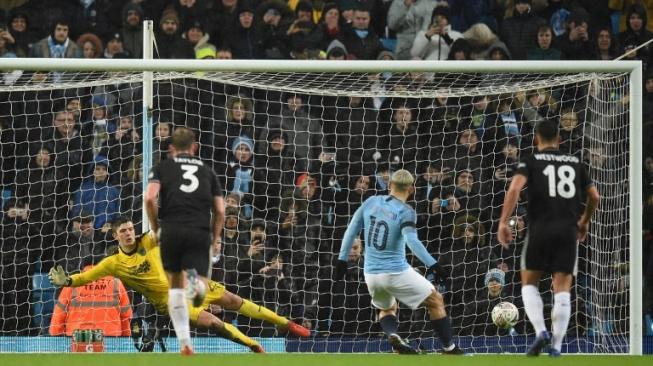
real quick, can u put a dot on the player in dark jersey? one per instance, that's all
(191, 203)
(191, 206)
(557, 183)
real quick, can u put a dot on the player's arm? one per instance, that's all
(59, 278)
(509, 204)
(152, 205)
(591, 204)
(218, 223)
(409, 232)
(354, 228)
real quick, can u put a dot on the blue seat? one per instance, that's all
(42, 302)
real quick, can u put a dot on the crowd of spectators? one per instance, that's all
(296, 166)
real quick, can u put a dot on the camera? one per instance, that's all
(258, 238)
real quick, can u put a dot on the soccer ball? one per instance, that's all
(505, 315)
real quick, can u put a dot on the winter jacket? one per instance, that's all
(519, 32)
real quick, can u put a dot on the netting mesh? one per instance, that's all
(296, 155)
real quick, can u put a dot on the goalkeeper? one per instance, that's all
(138, 265)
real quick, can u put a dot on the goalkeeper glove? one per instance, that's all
(58, 277)
(438, 274)
(341, 270)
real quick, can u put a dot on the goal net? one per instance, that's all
(296, 154)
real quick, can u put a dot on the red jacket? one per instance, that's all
(102, 304)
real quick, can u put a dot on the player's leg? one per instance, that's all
(177, 305)
(441, 323)
(231, 301)
(178, 311)
(387, 305)
(197, 263)
(534, 308)
(389, 324)
(561, 309)
(226, 330)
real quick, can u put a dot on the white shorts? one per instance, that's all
(409, 287)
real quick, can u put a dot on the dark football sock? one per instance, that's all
(443, 329)
(389, 324)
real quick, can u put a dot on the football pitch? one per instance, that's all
(316, 359)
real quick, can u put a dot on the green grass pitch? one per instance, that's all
(321, 359)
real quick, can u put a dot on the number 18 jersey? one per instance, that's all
(187, 191)
(556, 186)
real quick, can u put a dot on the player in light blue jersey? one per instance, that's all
(388, 225)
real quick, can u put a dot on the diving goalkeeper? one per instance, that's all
(138, 265)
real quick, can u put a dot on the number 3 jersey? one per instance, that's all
(187, 191)
(556, 186)
(388, 226)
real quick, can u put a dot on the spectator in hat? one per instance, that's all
(243, 40)
(197, 36)
(519, 32)
(336, 51)
(435, 42)
(240, 172)
(115, 47)
(359, 38)
(223, 20)
(132, 29)
(169, 40)
(477, 316)
(57, 44)
(273, 27)
(97, 196)
(301, 32)
(576, 44)
(18, 26)
(91, 45)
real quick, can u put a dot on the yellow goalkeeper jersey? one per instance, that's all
(141, 270)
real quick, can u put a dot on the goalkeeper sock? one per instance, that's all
(389, 324)
(178, 311)
(560, 317)
(232, 333)
(534, 307)
(443, 329)
(255, 311)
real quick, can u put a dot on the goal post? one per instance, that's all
(451, 79)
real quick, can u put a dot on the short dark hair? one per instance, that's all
(183, 138)
(115, 224)
(547, 130)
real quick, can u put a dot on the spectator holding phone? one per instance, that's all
(576, 44)
(435, 42)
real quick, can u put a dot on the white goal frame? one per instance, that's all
(633, 68)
